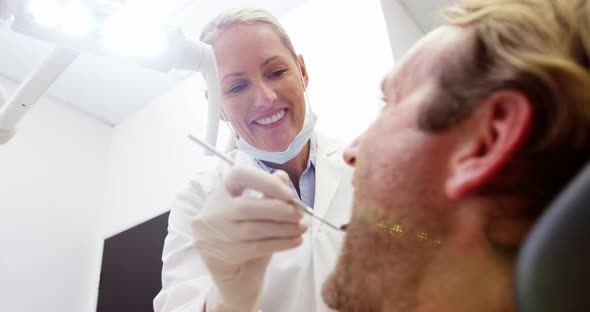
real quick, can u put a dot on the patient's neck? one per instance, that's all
(468, 273)
(479, 284)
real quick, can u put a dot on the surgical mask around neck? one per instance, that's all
(290, 152)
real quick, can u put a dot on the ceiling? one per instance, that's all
(111, 91)
(424, 12)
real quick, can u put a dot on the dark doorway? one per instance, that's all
(131, 267)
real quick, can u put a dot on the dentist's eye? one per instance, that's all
(277, 73)
(237, 89)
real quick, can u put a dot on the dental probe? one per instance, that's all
(299, 204)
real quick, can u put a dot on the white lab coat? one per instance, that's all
(294, 277)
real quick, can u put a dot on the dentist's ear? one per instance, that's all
(494, 134)
(303, 69)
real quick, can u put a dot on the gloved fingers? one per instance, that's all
(208, 248)
(228, 252)
(283, 176)
(206, 229)
(269, 246)
(263, 230)
(240, 177)
(265, 209)
(235, 253)
(220, 257)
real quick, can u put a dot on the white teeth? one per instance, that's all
(272, 119)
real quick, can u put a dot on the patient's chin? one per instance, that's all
(353, 285)
(341, 291)
(379, 267)
(330, 292)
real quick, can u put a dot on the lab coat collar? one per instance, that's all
(329, 173)
(330, 169)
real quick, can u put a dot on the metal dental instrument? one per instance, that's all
(299, 204)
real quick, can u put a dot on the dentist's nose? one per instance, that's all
(265, 95)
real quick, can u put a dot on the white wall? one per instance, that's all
(346, 49)
(151, 158)
(51, 191)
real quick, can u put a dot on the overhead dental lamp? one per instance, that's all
(99, 28)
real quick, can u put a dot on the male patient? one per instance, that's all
(484, 121)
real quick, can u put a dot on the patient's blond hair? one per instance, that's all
(540, 47)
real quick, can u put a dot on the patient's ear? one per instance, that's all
(493, 134)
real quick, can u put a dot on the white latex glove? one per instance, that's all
(236, 234)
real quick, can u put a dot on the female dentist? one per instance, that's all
(227, 250)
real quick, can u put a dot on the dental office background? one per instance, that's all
(106, 147)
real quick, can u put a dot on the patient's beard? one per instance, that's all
(382, 259)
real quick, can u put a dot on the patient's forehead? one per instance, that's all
(426, 59)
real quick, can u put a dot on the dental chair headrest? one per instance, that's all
(553, 267)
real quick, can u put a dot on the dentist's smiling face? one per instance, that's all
(262, 87)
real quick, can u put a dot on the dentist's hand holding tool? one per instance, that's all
(236, 234)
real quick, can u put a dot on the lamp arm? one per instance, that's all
(32, 88)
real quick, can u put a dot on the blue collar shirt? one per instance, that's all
(307, 179)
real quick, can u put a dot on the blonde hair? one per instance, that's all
(244, 15)
(540, 47)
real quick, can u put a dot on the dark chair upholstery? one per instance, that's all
(553, 267)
